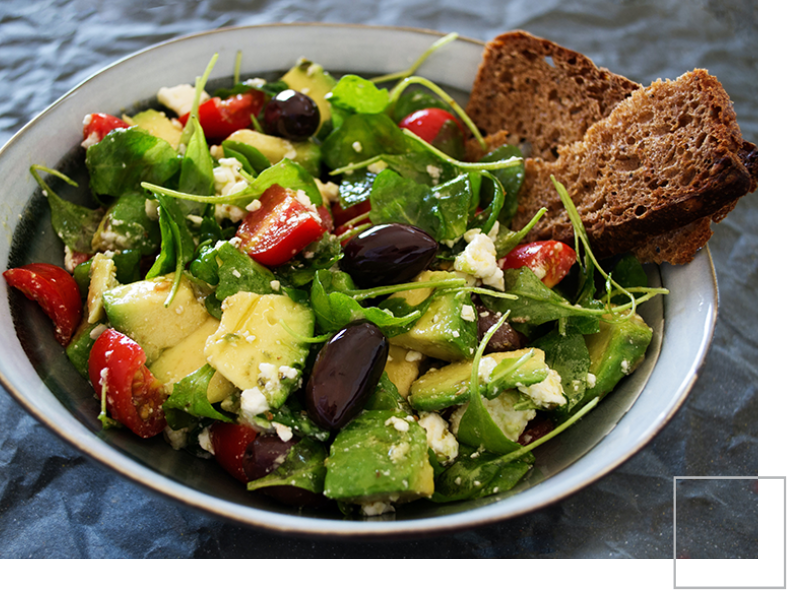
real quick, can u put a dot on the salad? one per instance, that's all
(314, 282)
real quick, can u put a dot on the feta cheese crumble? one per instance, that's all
(479, 259)
(180, 98)
(548, 393)
(440, 440)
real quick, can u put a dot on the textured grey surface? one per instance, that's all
(54, 503)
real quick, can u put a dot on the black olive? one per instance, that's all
(388, 254)
(346, 371)
(264, 454)
(291, 115)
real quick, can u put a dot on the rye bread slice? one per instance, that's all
(666, 157)
(541, 93)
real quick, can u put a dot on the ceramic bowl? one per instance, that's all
(34, 369)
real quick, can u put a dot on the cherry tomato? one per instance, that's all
(280, 228)
(96, 126)
(229, 445)
(342, 216)
(550, 260)
(54, 290)
(427, 123)
(134, 395)
(325, 218)
(219, 118)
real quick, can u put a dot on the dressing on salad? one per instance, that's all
(304, 279)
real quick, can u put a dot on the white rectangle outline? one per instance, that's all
(785, 497)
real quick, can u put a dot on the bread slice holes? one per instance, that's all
(640, 211)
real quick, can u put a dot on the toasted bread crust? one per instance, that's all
(664, 158)
(541, 92)
(648, 169)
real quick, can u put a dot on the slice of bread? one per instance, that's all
(663, 159)
(650, 178)
(541, 93)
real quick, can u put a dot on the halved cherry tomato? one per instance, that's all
(96, 126)
(229, 445)
(427, 123)
(54, 290)
(134, 395)
(280, 228)
(219, 118)
(550, 260)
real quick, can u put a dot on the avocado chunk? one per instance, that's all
(252, 349)
(188, 356)
(156, 123)
(102, 279)
(381, 456)
(447, 329)
(449, 385)
(402, 368)
(305, 153)
(311, 79)
(616, 351)
(137, 310)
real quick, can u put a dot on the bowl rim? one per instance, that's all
(303, 525)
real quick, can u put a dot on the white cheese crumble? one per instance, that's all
(501, 409)
(486, 366)
(357, 146)
(376, 508)
(548, 393)
(413, 356)
(441, 441)
(152, 209)
(285, 433)
(97, 331)
(275, 285)
(479, 259)
(377, 167)
(590, 380)
(254, 205)
(227, 178)
(195, 219)
(180, 98)
(625, 367)
(434, 172)
(204, 438)
(176, 438)
(268, 376)
(329, 191)
(253, 402)
(398, 423)
(468, 313)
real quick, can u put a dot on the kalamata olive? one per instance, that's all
(505, 338)
(346, 371)
(291, 115)
(388, 254)
(264, 454)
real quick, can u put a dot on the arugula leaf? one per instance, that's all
(238, 272)
(270, 88)
(73, 224)
(285, 173)
(355, 188)
(567, 355)
(320, 254)
(363, 136)
(197, 166)
(293, 415)
(126, 225)
(441, 211)
(177, 244)
(334, 306)
(252, 159)
(511, 180)
(359, 95)
(190, 396)
(127, 157)
(303, 468)
(476, 474)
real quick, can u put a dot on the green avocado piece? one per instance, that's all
(379, 456)
(252, 348)
(137, 310)
(156, 123)
(449, 385)
(615, 351)
(442, 332)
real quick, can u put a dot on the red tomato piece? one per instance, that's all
(96, 126)
(427, 123)
(219, 118)
(54, 290)
(325, 218)
(229, 445)
(342, 216)
(280, 228)
(134, 395)
(550, 260)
